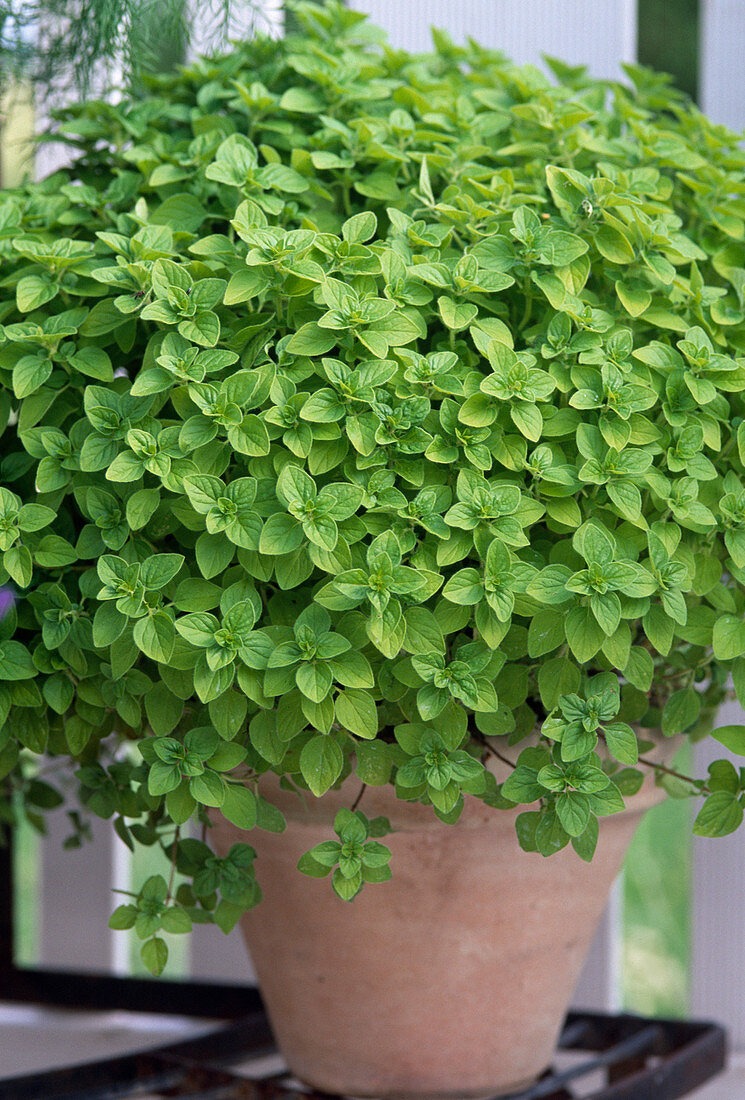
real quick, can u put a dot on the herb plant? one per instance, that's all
(369, 414)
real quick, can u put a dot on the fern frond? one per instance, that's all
(66, 47)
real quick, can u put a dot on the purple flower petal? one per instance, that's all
(7, 599)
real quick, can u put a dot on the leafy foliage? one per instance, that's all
(361, 409)
(354, 858)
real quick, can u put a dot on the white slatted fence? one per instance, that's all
(722, 48)
(598, 33)
(718, 913)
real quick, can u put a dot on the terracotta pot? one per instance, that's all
(452, 979)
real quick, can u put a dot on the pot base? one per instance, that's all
(506, 1091)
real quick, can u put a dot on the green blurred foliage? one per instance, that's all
(668, 39)
(656, 934)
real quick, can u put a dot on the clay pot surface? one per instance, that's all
(450, 980)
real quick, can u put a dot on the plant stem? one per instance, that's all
(346, 198)
(174, 854)
(494, 752)
(526, 314)
(358, 799)
(698, 783)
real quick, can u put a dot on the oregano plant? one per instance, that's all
(371, 415)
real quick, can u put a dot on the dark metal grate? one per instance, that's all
(639, 1060)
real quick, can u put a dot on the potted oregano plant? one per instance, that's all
(372, 464)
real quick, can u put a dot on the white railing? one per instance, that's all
(598, 33)
(601, 33)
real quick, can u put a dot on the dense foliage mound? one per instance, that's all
(360, 407)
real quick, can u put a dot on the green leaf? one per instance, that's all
(557, 677)
(16, 662)
(464, 587)
(58, 691)
(239, 806)
(214, 554)
(93, 362)
(527, 418)
(550, 835)
(586, 843)
(314, 680)
(228, 714)
(456, 315)
(154, 955)
(576, 743)
(322, 531)
(265, 737)
(269, 817)
(163, 778)
(546, 632)
(32, 517)
(681, 711)
(54, 552)
(573, 810)
(321, 763)
(307, 865)
(158, 570)
(281, 534)
(29, 374)
(729, 637)
(176, 921)
(614, 245)
(732, 737)
(526, 825)
(356, 712)
(621, 741)
(423, 634)
(658, 626)
(180, 804)
(720, 815)
(227, 915)
(550, 585)
(155, 635)
(359, 228)
(163, 709)
(522, 785)
(141, 507)
(210, 683)
(352, 670)
(584, 635)
(346, 888)
(300, 101)
(202, 329)
(123, 917)
(17, 561)
(227, 757)
(374, 762)
(295, 486)
(33, 291)
(431, 701)
(209, 789)
(640, 669)
(311, 340)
